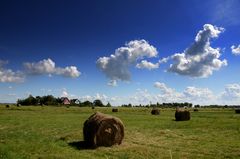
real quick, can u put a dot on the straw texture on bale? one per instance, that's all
(103, 130)
(237, 111)
(182, 115)
(155, 111)
(114, 110)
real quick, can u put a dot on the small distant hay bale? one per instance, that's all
(155, 111)
(114, 110)
(18, 105)
(237, 111)
(103, 130)
(93, 107)
(7, 106)
(195, 110)
(182, 115)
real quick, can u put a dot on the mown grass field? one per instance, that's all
(46, 132)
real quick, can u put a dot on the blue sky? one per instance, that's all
(114, 50)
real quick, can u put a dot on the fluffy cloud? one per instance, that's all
(104, 98)
(116, 66)
(232, 91)
(112, 83)
(163, 88)
(168, 94)
(163, 60)
(147, 65)
(200, 59)
(47, 66)
(199, 95)
(195, 95)
(235, 49)
(7, 75)
(64, 93)
(69, 71)
(190, 94)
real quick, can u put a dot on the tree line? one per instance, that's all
(162, 105)
(56, 101)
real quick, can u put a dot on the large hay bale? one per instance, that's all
(195, 110)
(155, 111)
(114, 110)
(102, 130)
(182, 115)
(237, 111)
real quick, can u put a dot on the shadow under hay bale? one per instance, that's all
(182, 115)
(80, 145)
(102, 130)
(114, 110)
(237, 111)
(155, 111)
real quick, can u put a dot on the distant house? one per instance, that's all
(65, 101)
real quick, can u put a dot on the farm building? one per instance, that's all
(65, 101)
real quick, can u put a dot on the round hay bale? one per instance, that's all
(237, 111)
(93, 107)
(102, 130)
(114, 110)
(18, 105)
(7, 106)
(182, 115)
(195, 110)
(155, 111)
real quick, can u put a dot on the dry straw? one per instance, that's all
(237, 111)
(103, 130)
(182, 115)
(155, 111)
(114, 110)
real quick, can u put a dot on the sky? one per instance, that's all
(120, 51)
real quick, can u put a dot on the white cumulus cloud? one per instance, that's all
(189, 94)
(200, 59)
(47, 66)
(112, 83)
(199, 95)
(147, 65)
(103, 97)
(235, 49)
(116, 66)
(232, 91)
(7, 75)
(168, 94)
(64, 93)
(163, 88)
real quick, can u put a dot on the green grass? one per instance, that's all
(45, 132)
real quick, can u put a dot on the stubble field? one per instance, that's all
(52, 132)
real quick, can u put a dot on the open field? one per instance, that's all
(47, 132)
